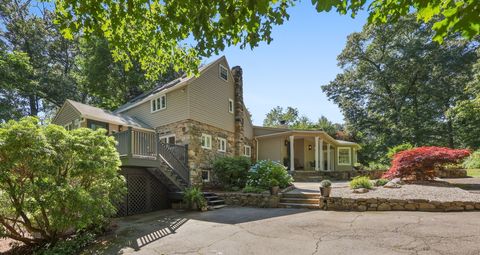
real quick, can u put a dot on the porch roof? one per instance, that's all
(309, 133)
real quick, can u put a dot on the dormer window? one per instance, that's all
(158, 103)
(223, 73)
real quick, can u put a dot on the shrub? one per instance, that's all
(261, 174)
(419, 163)
(251, 189)
(325, 184)
(274, 183)
(473, 161)
(194, 197)
(402, 147)
(69, 246)
(53, 181)
(381, 182)
(361, 182)
(232, 171)
(372, 166)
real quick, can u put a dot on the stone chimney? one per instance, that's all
(238, 109)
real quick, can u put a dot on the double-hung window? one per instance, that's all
(206, 141)
(344, 156)
(158, 103)
(222, 144)
(247, 151)
(223, 73)
(230, 105)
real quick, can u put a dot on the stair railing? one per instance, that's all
(176, 156)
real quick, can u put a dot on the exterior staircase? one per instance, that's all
(168, 177)
(213, 201)
(300, 200)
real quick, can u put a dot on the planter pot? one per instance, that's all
(204, 209)
(274, 190)
(325, 192)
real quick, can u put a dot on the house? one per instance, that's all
(174, 132)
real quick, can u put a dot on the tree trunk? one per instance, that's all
(33, 105)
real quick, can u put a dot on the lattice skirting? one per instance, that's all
(145, 193)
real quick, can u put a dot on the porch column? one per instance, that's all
(328, 158)
(292, 160)
(316, 153)
(322, 165)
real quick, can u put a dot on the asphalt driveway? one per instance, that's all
(294, 231)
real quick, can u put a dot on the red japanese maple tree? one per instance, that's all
(419, 163)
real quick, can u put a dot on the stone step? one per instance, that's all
(302, 206)
(301, 195)
(300, 200)
(215, 207)
(216, 202)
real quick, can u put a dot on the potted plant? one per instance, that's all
(325, 188)
(274, 187)
(194, 199)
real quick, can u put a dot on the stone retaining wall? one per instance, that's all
(451, 173)
(250, 199)
(380, 204)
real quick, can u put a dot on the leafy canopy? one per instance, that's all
(160, 33)
(232, 171)
(53, 181)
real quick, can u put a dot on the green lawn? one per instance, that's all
(473, 173)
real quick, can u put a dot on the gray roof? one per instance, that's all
(91, 112)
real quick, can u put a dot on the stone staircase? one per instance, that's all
(213, 201)
(300, 200)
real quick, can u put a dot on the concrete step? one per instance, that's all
(301, 195)
(314, 201)
(302, 206)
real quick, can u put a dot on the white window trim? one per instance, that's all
(349, 156)
(208, 175)
(245, 150)
(201, 141)
(230, 101)
(220, 140)
(220, 72)
(68, 126)
(160, 107)
(168, 136)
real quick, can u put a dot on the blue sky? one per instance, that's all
(290, 70)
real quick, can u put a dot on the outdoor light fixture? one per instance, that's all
(309, 147)
(286, 142)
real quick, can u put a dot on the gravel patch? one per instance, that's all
(442, 193)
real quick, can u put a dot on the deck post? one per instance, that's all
(130, 142)
(316, 153)
(322, 165)
(157, 140)
(328, 158)
(292, 154)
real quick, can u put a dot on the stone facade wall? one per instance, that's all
(250, 199)
(380, 204)
(190, 132)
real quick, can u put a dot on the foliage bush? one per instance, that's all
(394, 150)
(381, 182)
(361, 182)
(373, 166)
(69, 246)
(53, 181)
(232, 171)
(194, 197)
(419, 163)
(264, 171)
(251, 189)
(325, 184)
(473, 161)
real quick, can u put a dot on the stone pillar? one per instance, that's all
(292, 153)
(316, 153)
(322, 166)
(329, 158)
(237, 74)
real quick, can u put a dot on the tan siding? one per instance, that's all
(66, 115)
(248, 127)
(209, 96)
(270, 148)
(177, 110)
